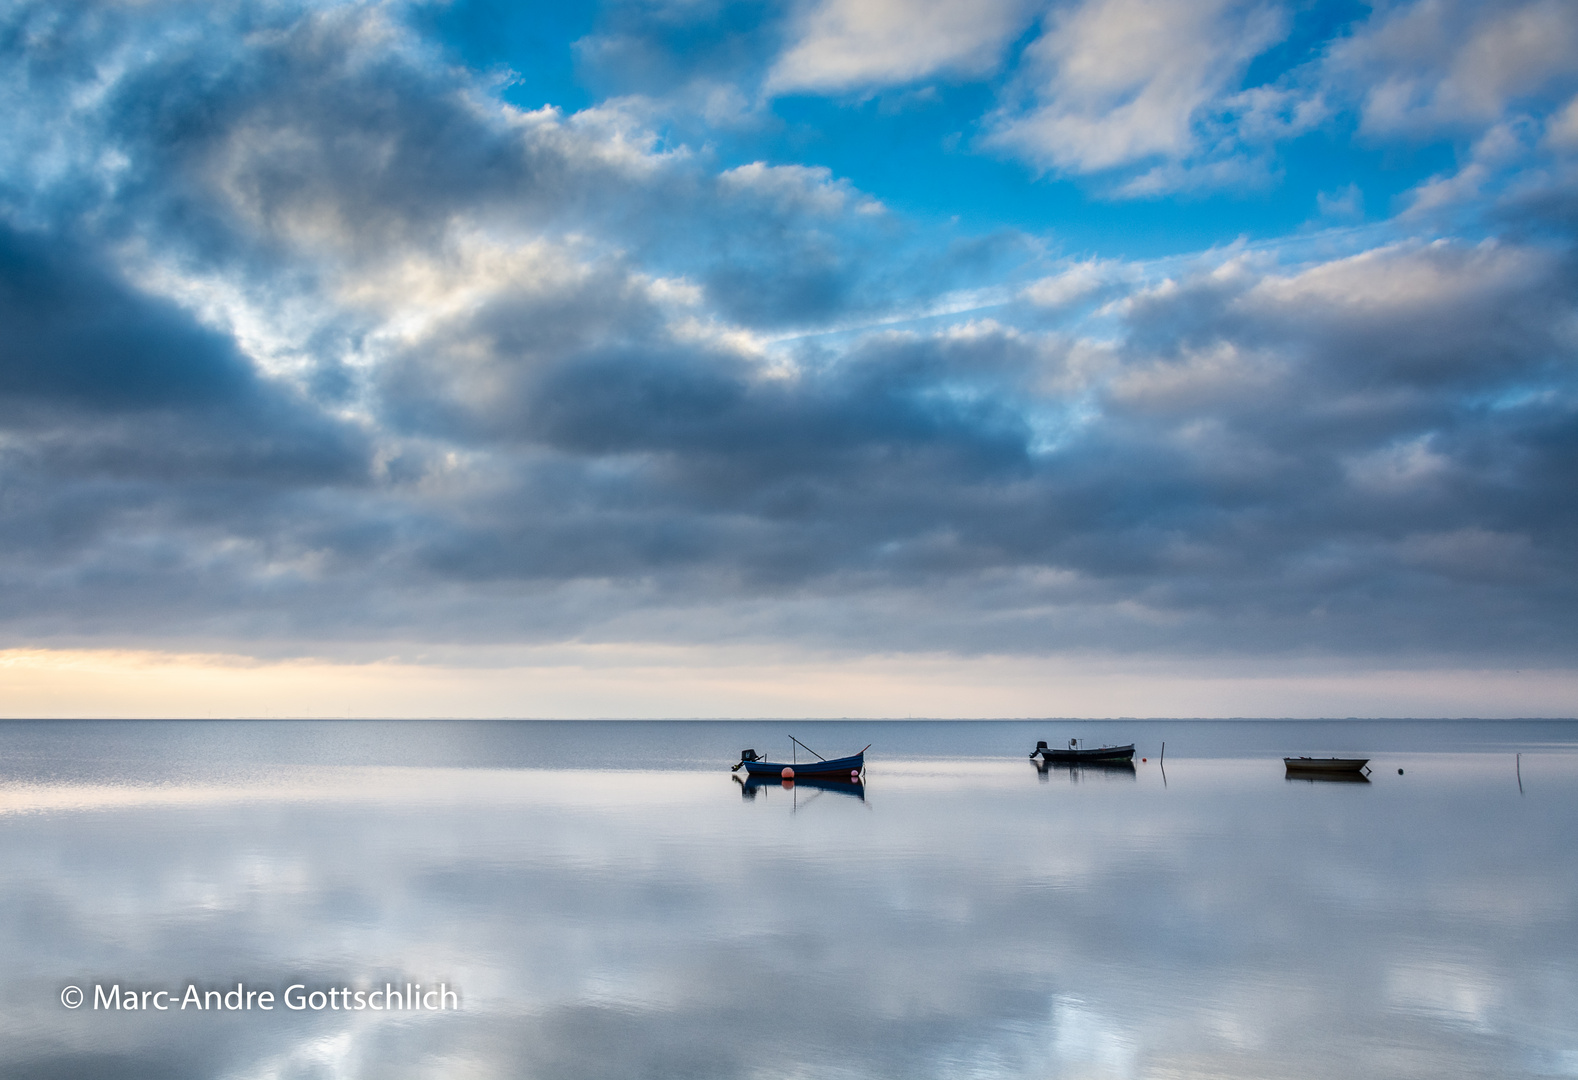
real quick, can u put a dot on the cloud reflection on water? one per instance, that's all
(965, 919)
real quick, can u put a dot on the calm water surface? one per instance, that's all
(606, 900)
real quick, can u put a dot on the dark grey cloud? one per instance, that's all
(1280, 458)
(111, 381)
(75, 339)
(137, 443)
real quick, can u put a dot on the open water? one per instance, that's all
(605, 900)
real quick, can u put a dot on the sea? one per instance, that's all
(607, 900)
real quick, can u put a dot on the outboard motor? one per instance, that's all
(1041, 744)
(748, 755)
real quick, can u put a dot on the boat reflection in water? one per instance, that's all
(1294, 776)
(1079, 770)
(749, 788)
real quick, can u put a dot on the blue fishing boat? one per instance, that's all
(845, 768)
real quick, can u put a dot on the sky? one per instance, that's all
(821, 358)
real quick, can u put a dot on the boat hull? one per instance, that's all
(1091, 755)
(1325, 765)
(838, 768)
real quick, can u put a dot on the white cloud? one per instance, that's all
(1391, 281)
(1076, 283)
(1345, 202)
(1562, 130)
(843, 44)
(1494, 153)
(1451, 63)
(1199, 380)
(806, 188)
(1115, 82)
(1399, 468)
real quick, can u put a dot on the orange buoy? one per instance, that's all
(1145, 759)
(788, 773)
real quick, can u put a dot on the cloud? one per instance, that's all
(313, 339)
(1111, 83)
(1563, 129)
(1345, 202)
(1151, 98)
(1436, 64)
(815, 189)
(87, 360)
(839, 45)
(1079, 282)
(1184, 471)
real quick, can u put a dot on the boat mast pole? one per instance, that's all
(803, 746)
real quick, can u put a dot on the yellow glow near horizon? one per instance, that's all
(656, 681)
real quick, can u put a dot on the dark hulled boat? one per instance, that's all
(1328, 765)
(1084, 754)
(844, 768)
